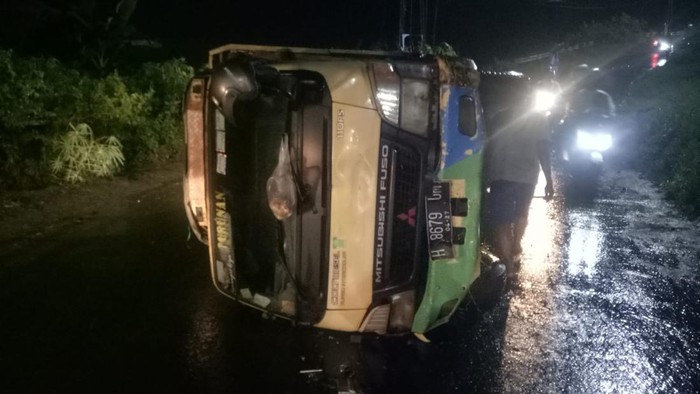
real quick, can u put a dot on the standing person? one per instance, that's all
(517, 147)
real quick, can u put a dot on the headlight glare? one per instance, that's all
(598, 142)
(544, 100)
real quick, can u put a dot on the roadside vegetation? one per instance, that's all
(667, 102)
(604, 43)
(62, 123)
(613, 46)
(664, 101)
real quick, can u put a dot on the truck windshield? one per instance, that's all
(280, 263)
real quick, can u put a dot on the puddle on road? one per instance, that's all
(530, 312)
(598, 309)
(584, 246)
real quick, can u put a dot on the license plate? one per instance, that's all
(439, 221)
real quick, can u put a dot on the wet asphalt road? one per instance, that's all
(608, 301)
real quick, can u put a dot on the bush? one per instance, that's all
(164, 83)
(79, 155)
(442, 49)
(40, 97)
(33, 94)
(608, 44)
(668, 148)
(618, 30)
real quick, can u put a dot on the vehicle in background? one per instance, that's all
(338, 189)
(662, 48)
(587, 134)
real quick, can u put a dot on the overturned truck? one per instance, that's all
(339, 189)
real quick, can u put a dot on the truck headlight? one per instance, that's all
(598, 142)
(403, 95)
(387, 91)
(403, 309)
(394, 317)
(415, 106)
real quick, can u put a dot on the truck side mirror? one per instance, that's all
(232, 81)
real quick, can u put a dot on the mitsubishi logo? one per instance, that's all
(409, 217)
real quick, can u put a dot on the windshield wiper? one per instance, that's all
(281, 235)
(304, 310)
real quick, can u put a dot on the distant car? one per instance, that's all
(339, 189)
(662, 48)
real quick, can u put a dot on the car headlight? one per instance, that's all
(403, 93)
(599, 142)
(544, 100)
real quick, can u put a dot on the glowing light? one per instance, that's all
(530, 312)
(544, 100)
(538, 239)
(598, 142)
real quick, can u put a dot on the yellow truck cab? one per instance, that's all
(339, 189)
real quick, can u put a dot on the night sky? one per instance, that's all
(481, 29)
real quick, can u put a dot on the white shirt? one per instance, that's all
(512, 146)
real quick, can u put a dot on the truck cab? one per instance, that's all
(337, 189)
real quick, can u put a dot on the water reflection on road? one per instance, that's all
(530, 314)
(614, 323)
(584, 244)
(595, 310)
(608, 301)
